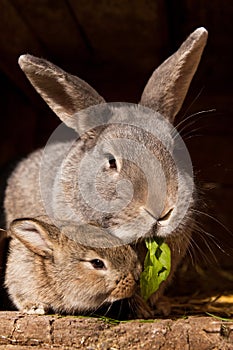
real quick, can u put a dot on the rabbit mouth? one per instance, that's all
(124, 289)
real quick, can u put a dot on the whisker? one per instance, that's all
(120, 309)
(189, 251)
(193, 115)
(132, 307)
(210, 250)
(214, 241)
(108, 309)
(201, 230)
(196, 228)
(192, 131)
(196, 247)
(200, 114)
(204, 235)
(191, 136)
(93, 313)
(207, 259)
(210, 235)
(213, 218)
(194, 100)
(130, 304)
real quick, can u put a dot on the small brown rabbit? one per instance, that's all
(47, 270)
(122, 172)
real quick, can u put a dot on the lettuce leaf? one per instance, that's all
(157, 265)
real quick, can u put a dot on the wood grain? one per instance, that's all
(37, 332)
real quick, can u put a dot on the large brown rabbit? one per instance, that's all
(124, 172)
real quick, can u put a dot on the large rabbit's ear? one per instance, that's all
(169, 83)
(65, 94)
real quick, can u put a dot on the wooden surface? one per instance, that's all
(46, 332)
(114, 46)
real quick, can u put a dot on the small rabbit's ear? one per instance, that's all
(65, 94)
(169, 83)
(34, 235)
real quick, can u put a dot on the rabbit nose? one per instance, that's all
(151, 214)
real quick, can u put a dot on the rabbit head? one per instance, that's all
(125, 171)
(46, 269)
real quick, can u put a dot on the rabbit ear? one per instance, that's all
(168, 85)
(34, 235)
(65, 94)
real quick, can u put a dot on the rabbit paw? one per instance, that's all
(37, 309)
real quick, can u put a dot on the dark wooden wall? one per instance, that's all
(114, 46)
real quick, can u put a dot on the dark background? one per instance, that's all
(115, 46)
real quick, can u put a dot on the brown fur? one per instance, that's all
(67, 95)
(47, 270)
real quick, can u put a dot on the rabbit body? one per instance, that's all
(47, 270)
(78, 180)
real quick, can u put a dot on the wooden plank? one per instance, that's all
(27, 331)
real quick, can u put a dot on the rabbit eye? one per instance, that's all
(98, 264)
(111, 161)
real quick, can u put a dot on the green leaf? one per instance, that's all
(157, 265)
